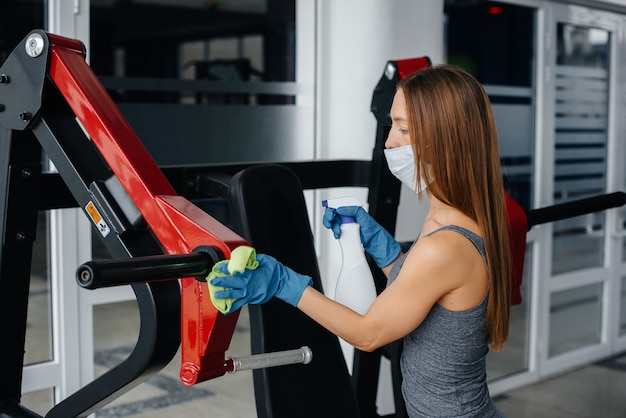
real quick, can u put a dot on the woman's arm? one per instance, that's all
(398, 310)
(435, 270)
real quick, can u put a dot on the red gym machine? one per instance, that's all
(51, 101)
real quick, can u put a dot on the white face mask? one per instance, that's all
(402, 165)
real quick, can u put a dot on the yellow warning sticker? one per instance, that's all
(97, 219)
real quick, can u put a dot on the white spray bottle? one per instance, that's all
(355, 286)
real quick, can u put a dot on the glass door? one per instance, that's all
(580, 134)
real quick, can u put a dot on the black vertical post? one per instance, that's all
(384, 188)
(20, 175)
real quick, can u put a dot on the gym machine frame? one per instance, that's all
(51, 101)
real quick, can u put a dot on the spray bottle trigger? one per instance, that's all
(339, 202)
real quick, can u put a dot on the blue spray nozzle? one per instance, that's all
(340, 201)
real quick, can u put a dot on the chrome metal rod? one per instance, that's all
(303, 355)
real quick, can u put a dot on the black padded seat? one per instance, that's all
(268, 208)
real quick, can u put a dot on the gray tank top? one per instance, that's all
(443, 360)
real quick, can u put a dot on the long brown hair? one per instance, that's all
(448, 109)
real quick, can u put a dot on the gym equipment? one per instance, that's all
(50, 101)
(52, 104)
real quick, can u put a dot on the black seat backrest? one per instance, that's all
(268, 209)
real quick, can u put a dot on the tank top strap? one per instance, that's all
(472, 237)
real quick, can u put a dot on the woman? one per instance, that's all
(449, 296)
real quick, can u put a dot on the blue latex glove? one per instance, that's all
(271, 278)
(378, 243)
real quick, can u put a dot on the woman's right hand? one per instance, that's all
(271, 278)
(378, 243)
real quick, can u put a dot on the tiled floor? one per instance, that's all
(598, 390)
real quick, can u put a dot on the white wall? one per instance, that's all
(356, 38)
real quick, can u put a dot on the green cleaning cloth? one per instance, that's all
(241, 258)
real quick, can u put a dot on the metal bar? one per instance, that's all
(96, 274)
(212, 180)
(575, 208)
(303, 355)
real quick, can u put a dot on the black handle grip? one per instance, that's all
(575, 208)
(116, 272)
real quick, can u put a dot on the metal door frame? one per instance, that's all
(545, 284)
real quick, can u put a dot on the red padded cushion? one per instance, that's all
(518, 226)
